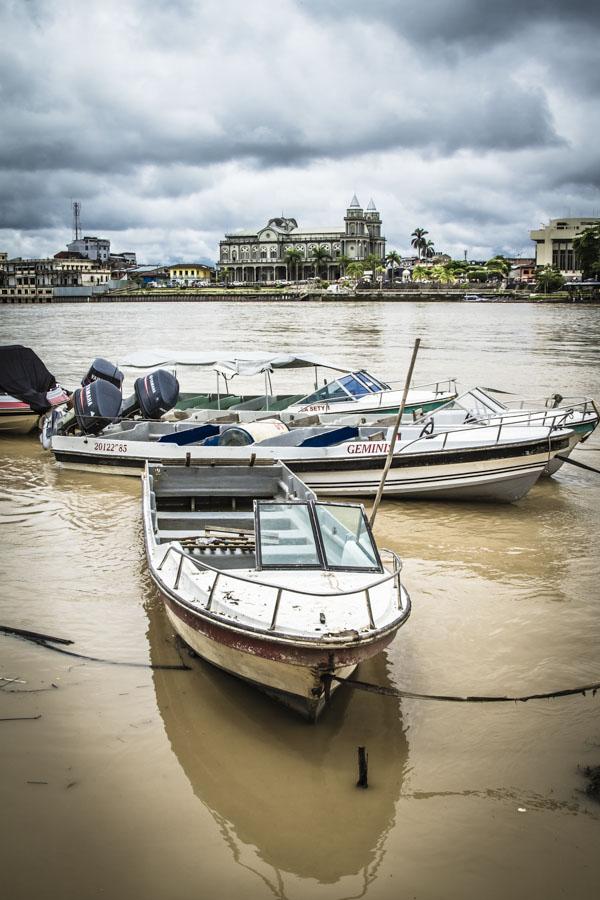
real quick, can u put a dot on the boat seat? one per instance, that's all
(284, 402)
(190, 435)
(231, 519)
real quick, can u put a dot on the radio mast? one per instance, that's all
(76, 220)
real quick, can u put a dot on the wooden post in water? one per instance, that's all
(363, 768)
(395, 430)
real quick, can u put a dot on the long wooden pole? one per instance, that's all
(395, 430)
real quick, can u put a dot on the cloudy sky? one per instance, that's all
(174, 121)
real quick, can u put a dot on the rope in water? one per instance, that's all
(46, 640)
(453, 698)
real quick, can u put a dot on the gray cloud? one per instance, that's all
(196, 118)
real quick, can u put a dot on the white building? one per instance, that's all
(554, 243)
(260, 256)
(94, 248)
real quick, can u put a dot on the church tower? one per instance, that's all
(355, 243)
(373, 223)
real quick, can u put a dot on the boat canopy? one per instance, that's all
(228, 363)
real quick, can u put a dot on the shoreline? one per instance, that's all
(265, 296)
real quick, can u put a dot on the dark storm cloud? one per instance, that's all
(462, 21)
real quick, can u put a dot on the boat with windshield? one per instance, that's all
(262, 580)
(352, 392)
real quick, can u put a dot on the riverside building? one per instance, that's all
(259, 257)
(554, 243)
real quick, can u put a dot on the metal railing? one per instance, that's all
(280, 590)
(560, 417)
(474, 427)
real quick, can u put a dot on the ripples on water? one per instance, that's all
(247, 800)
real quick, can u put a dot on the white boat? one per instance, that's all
(260, 579)
(479, 462)
(578, 414)
(353, 392)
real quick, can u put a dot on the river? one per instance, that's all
(173, 785)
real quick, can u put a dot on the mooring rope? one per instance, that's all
(453, 698)
(580, 465)
(46, 640)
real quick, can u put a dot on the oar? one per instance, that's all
(390, 455)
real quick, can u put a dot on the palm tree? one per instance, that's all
(372, 261)
(587, 250)
(420, 273)
(418, 239)
(318, 256)
(355, 270)
(343, 262)
(428, 249)
(293, 257)
(549, 279)
(394, 259)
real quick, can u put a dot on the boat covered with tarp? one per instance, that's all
(27, 389)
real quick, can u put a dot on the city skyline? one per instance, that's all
(176, 123)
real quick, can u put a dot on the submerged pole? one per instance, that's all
(363, 768)
(395, 429)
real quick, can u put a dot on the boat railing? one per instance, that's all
(444, 386)
(505, 422)
(279, 590)
(559, 417)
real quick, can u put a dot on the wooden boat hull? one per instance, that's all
(293, 675)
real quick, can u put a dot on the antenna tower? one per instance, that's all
(76, 220)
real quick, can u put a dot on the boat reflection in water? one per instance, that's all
(282, 791)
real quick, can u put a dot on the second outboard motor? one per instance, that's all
(94, 407)
(154, 395)
(103, 370)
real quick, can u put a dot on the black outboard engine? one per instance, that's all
(154, 395)
(94, 407)
(103, 370)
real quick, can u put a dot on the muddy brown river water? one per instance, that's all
(173, 785)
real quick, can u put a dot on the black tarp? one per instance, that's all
(23, 375)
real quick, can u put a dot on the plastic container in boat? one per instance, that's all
(251, 433)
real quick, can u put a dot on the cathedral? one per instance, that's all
(259, 257)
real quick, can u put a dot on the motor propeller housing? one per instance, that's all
(103, 370)
(94, 407)
(154, 395)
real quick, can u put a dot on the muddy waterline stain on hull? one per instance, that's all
(184, 784)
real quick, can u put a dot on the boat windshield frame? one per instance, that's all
(323, 563)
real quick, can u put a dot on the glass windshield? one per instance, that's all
(331, 391)
(352, 384)
(373, 383)
(345, 536)
(316, 536)
(286, 536)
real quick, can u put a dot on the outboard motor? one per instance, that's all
(154, 395)
(103, 370)
(94, 407)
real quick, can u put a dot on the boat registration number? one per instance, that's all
(110, 447)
